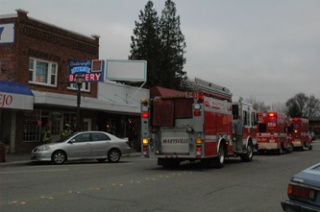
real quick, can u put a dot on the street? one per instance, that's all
(138, 184)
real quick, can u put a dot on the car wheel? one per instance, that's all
(114, 155)
(58, 157)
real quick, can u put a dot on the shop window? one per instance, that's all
(32, 126)
(42, 72)
(35, 120)
(84, 87)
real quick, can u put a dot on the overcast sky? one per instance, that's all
(265, 49)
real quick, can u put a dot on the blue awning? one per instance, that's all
(14, 95)
(15, 87)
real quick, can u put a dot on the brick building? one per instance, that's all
(34, 90)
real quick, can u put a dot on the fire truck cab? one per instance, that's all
(193, 125)
(299, 132)
(272, 132)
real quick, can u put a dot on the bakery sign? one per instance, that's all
(91, 70)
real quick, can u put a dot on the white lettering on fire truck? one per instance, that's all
(219, 105)
(175, 141)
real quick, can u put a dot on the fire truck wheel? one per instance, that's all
(289, 149)
(249, 155)
(221, 157)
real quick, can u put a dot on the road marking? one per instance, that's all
(49, 170)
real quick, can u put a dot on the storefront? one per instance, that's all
(35, 91)
(14, 99)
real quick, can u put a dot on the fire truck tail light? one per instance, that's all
(198, 141)
(207, 104)
(145, 141)
(271, 114)
(145, 115)
(196, 110)
(196, 113)
(198, 151)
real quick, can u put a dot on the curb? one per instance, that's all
(16, 161)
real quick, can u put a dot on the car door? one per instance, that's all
(80, 147)
(100, 143)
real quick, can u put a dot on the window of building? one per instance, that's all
(84, 87)
(42, 72)
(35, 121)
(32, 126)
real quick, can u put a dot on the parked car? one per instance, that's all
(83, 145)
(313, 135)
(304, 191)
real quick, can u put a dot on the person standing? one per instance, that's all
(46, 134)
(66, 131)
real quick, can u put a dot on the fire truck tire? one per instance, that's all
(289, 149)
(249, 155)
(221, 157)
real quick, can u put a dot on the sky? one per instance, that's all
(268, 50)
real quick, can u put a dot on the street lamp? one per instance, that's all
(79, 81)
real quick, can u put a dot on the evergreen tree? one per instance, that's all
(146, 43)
(294, 110)
(161, 44)
(173, 45)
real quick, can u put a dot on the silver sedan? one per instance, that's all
(83, 145)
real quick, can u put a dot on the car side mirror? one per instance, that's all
(72, 141)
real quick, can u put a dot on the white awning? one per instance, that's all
(15, 95)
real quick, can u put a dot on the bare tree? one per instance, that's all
(259, 106)
(279, 107)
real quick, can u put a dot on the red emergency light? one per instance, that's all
(145, 115)
(271, 114)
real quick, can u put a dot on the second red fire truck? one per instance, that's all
(201, 124)
(272, 132)
(299, 132)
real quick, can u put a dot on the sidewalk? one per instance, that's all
(16, 158)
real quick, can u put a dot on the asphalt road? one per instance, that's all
(138, 184)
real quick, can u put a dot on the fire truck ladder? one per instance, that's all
(209, 88)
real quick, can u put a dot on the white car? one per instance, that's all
(83, 145)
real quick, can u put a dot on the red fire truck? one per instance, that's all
(299, 131)
(272, 132)
(195, 125)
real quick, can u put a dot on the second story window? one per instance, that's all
(42, 72)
